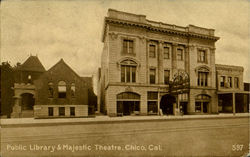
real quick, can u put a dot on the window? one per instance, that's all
(127, 46)
(202, 103)
(197, 106)
(152, 49)
(152, 76)
(236, 82)
(61, 111)
(73, 89)
(51, 90)
(180, 54)
(166, 52)
(152, 102)
(152, 95)
(72, 111)
(229, 79)
(61, 89)
(128, 95)
(202, 56)
(51, 111)
(202, 79)
(128, 71)
(222, 81)
(166, 76)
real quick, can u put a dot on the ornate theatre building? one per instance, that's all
(153, 68)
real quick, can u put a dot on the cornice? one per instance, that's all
(158, 29)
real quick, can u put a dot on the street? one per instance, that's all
(221, 136)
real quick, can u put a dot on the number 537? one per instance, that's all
(237, 147)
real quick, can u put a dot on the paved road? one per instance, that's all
(225, 136)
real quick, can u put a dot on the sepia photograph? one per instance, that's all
(124, 78)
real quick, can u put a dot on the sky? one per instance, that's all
(72, 30)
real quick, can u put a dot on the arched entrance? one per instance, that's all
(27, 103)
(167, 104)
(128, 103)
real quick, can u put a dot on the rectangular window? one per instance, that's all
(152, 76)
(152, 51)
(222, 81)
(152, 107)
(166, 52)
(123, 73)
(61, 111)
(72, 111)
(202, 56)
(152, 95)
(180, 54)
(202, 79)
(166, 76)
(133, 74)
(51, 111)
(128, 73)
(197, 106)
(229, 79)
(236, 82)
(128, 46)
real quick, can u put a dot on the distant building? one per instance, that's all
(150, 67)
(58, 92)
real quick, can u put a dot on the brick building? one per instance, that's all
(150, 67)
(58, 92)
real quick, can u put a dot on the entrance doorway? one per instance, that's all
(167, 104)
(27, 103)
(128, 103)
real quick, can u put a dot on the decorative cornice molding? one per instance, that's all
(154, 28)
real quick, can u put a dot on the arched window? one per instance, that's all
(202, 103)
(51, 90)
(62, 89)
(128, 71)
(73, 89)
(202, 79)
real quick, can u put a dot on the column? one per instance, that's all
(158, 103)
(16, 110)
(160, 63)
(187, 68)
(174, 61)
(233, 99)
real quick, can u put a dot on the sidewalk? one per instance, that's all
(107, 119)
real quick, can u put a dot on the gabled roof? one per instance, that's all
(62, 62)
(32, 64)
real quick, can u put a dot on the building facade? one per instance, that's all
(58, 92)
(145, 66)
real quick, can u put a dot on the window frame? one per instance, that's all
(237, 83)
(202, 79)
(72, 111)
(128, 72)
(199, 56)
(50, 111)
(166, 81)
(150, 52)
(127, 43)
(164, 52)
(62, 94)
(222, 83)
(182, 54)
(152, 82)
(61, 111)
